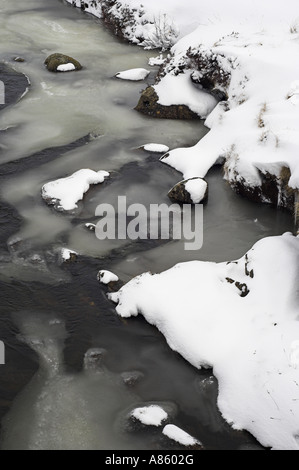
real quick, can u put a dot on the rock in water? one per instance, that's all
(55, 61)
(94, 358)
(190, 191)
(68, 256)
(148, 104)
(19, 59)
(130, 379)
(109, 280)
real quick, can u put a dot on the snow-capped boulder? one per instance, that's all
(151, 415)
(178, 435)
(62, 63)
(155, 148)
(149, 104)
(64, 193)
(68, 256)
(191, 191)
(109, 280)
(133, 74)
(176, 97)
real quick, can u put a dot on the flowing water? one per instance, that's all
(52, 314)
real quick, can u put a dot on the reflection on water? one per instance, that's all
(63, 312)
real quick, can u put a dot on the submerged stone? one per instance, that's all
(94, 358)
(132, 378)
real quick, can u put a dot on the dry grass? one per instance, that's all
(260, 118)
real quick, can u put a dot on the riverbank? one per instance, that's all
(63, 124)
(247, 59)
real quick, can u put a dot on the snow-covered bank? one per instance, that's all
(146, 25)
(245, 52)
(68, 255)
(155, 148)
(241, 318)
(255, 132)
(244, 315)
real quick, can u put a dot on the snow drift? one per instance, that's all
(241, 318)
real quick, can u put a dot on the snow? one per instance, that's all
(105, 277)
(241, 319)
(257, 45)
(156, 148)
(257, 51)
(66, 67)
(159, 60)
(244, 326)
(133, 74)
(90, 227)
(177, 434)
(197, 189)
(66, 192)
(66, 254)
(90, 6)
(261, 106)
(152, 415)
(179, 90)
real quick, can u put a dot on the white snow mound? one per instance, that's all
(66, 254)
(133, 74)
(241, 318)
(179, 90)
(177, 434)
(66, 192)
(197, 189)
(66, 67)
(152, 415)
(107, 276)
(156, 148)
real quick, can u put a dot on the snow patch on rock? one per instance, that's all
(133, 74)
(178, 435)
(67, 254)
(179, 90)
(197, 189)
(64, 193)
(105, 277)
(66, 67)
(156, 148)
(152, 415)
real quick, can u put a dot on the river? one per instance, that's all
(51, 314)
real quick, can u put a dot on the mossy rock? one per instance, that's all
(148, 104)
(54, 60)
